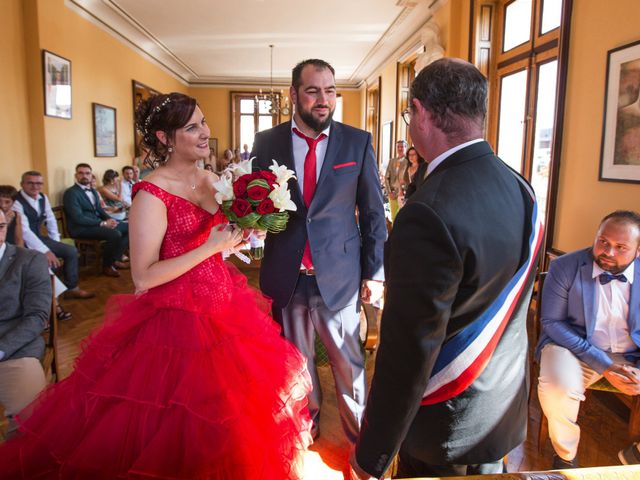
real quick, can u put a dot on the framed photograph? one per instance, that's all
(213, 146)
(140, 92)
(620, 151)
(56, 72)
(105, 139)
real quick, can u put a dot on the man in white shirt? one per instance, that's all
(35, 210)
(590, 329)
(128, 181)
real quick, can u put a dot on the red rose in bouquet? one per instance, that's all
(240, 186)
(258, 189)
(241, 207)
(265, 207)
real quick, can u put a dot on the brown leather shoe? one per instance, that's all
(78, 293)
(110, 272)
(121, 265)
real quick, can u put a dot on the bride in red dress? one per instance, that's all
(190, 377)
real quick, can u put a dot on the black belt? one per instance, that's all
(309, 272)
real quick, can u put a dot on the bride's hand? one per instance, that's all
(224, 237)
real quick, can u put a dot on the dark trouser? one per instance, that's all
(339, 331)
(69, 254)
(117, 240)
(410, 467)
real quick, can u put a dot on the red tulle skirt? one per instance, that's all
(202, 390)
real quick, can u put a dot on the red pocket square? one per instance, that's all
(343, 165)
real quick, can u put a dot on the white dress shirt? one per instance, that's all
(300, 149)
(88, 193)
(443, 156)
(3, 248)
(127, 190)
(611, 331)
(31, 240)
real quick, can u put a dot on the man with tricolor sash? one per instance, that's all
(449, 392)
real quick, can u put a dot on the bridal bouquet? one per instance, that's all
(258, 199)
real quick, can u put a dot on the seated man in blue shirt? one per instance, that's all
(590, 329)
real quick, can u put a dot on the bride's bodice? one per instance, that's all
(188, 227)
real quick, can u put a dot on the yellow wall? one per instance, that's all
(14, 120)
(582, 199)
(101, 71)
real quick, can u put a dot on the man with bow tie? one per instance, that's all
(590, 329)
(87, 219)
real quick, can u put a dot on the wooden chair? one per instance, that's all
(87, 248)
(50, 358)
(601, 385)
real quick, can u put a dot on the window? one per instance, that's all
(250, 117)
(526, 88)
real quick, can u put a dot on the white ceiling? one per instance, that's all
(216, 42)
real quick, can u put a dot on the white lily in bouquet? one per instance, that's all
(256, 200)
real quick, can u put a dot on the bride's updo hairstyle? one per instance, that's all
(162, 113)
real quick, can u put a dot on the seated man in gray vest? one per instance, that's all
(35, 210)
(25, 297)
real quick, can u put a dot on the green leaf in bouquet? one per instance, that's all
(248, 221)
(258, 182)
(273, 222)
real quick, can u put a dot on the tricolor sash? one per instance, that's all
(464, 357)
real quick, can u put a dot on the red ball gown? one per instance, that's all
(190, 380)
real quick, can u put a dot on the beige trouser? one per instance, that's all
(561, 385)
(20, 382)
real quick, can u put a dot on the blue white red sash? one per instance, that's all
(463, 358)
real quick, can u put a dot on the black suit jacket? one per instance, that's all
(454, 246)
(345, 249)
(79, 211)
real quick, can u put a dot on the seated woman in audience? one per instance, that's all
(111, 192)
(189, 378)
(14, 237)
(14, 222)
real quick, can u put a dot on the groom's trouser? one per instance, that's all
(339, 331)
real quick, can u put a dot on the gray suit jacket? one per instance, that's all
(345, 248)
(25, 297)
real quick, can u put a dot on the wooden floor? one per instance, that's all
(603, 428)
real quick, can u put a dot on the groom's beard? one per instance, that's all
(312, 122)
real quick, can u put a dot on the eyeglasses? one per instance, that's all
(406, 115)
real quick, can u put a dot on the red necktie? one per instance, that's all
(309, 185)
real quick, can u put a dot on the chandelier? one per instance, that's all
(276, 103)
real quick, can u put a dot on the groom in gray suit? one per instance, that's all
(25, 297)
(330, 256)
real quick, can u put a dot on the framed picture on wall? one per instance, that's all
(56, 72)
(105, 139)
(213, 146)
(620, 151)
(140, 92)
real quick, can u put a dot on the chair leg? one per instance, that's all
(634, 419)
(543, 431)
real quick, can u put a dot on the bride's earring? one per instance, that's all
(170, 149)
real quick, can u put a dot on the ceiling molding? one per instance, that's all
(131, 35)
(114, 18)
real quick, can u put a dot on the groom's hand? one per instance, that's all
(371, 291)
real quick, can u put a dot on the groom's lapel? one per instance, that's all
(285, 147)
